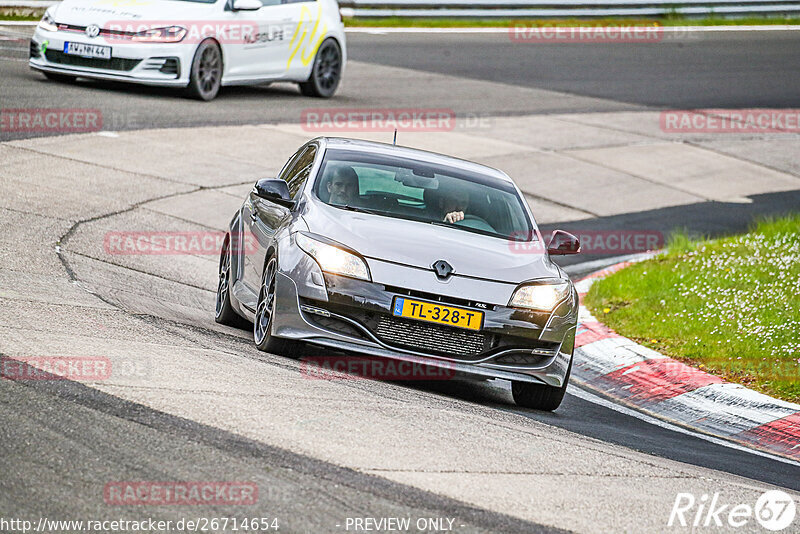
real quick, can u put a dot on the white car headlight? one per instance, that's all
(333, 259)
(48, 23)
(540, 296)
(171, 34)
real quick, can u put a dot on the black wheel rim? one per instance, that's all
(209, 69)
(266, 303)
(224, 279)
(328, 67)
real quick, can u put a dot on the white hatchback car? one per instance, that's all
(197, 44)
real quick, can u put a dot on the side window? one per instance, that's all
(300, 169)
(289, 165)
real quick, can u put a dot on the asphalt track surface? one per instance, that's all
(139, 443)
(739, 70)
(682, 70)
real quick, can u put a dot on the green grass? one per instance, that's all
(671, 20)
(729, 306)
(3, 16)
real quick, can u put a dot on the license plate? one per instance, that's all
(437, 313)
(87, 50)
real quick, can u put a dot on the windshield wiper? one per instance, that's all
(356, 209)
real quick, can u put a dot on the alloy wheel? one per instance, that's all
(266, 303)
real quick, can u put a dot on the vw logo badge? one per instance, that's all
(443, 269)
(92, 31)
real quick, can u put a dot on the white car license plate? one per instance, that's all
(87, 50)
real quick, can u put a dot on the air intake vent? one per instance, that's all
(533, 357)
(171, 66)
(166, 65)
(430, 338)
(34, 49)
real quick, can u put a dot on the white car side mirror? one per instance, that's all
(247, 5)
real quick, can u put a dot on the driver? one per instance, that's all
(343, 186)
(452, 203)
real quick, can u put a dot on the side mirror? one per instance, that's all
(274, 190)
(246, 5)
(563, 243)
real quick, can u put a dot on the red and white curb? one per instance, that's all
(642, 378)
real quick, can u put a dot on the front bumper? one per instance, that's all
(145, 63)
(354, 315)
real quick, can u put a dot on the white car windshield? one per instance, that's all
(421, 191)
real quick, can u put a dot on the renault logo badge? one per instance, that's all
(443, 269)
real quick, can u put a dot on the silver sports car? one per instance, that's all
(399, 253)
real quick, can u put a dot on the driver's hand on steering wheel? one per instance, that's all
(454, 217)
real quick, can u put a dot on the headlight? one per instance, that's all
(48, 23)
(171, 34)
(541, 296)
(333, 259)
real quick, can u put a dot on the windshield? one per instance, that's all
(424, 192)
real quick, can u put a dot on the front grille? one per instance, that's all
(429, 338)
(115, 63)
(34, 49)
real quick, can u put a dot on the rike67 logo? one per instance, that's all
(775, 510)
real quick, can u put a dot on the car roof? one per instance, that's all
(372, 147)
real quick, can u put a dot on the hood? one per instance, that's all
(105, 12)
(420, 245)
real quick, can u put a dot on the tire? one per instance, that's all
(224, 313)
(265, 312)
(205, 78)
(326, 71)
(63, 78)
(540, 396)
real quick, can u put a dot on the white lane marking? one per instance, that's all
(107, 134)
(594, 399)
(506, 29)
(725, 409)
(631, 370)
